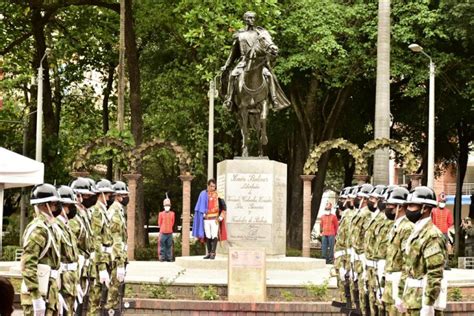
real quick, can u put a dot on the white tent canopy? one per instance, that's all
(17, 171)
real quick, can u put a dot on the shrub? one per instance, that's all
(319, 292)
(287, 295)
(160, 290)
(9, 253)
(208, 294)
(455, 294)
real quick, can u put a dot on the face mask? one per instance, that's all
(389, 213)
(72, 211)
(110, 200)
(58, 209)
(356, 202)
(90, 201)
(414, 216)
(371, 206)
(125, 200)
(167, 208)
(381, 205)
(442, 205)
(351, 205)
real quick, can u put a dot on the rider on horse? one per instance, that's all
(244, 42)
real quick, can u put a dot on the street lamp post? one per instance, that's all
(431, 117)
(39, 110)
(210, 144)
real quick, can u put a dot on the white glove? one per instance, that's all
(221, 218)
(121, 274)
(80, 293)
(104, 277)
(400, 306)
(342, 274)
(427, 310)
(39, 307)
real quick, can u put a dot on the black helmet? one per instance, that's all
(352, 193)
(365, 190)
(397, 195)
(104, 186)
(422, 195)
(44, 193)
(67, 195)
(344, 192)
(81, 186)
(120, 187)
(378, 191)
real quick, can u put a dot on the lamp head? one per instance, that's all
(415, 48)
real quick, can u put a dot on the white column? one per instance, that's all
(431, 127)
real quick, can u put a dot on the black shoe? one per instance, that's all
(213, 256)
(208, 256)
(447, 268)
(162, 260)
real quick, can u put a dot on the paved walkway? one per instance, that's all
(153, 271)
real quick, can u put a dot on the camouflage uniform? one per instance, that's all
(69, 262)
(372, 228)
(356, 235)
(341, 250)
(39, 247)
(102, 241)
(425, 255)
(118, 228)
(380, 255)
(395, 261)
(81, 228)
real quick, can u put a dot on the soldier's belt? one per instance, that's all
(54, 274)
(371, 263)
(69, 266)
(107, 249)
(339, 253)
(393, 276)
(415, 283)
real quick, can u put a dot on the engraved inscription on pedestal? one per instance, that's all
(255, 193)
(246, 275)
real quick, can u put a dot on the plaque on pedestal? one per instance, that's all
(255, 194)
(246, 275)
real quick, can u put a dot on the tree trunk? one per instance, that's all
(464, 137)
(132, 57)
(382, 94)
(51, 129)
(105, 112)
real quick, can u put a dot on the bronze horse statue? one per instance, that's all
(252, 90)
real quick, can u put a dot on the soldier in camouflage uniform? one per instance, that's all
(341, 255)
(397, 238)
(102, 240)
(381, 245)
(425, 290)
(41, 256)
(356, 235)
(118, 228)
(372, 228)
(70, 287)
(81, 227)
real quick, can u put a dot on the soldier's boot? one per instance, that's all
(272, 90)
(209, 248)
(214, 247)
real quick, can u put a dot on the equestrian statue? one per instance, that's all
(251, 88)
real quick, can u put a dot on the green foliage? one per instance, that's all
(9, 253)
(288, 296)
(149, 253)
(455, 294)
(161, 290)
(318, 291)
(208, 293)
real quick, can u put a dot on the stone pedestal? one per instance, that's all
(255, 193)
(186, 179)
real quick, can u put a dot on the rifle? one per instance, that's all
(380, 291)
(104, 292)
(122, 292)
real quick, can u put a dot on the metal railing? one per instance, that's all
(467, 188)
